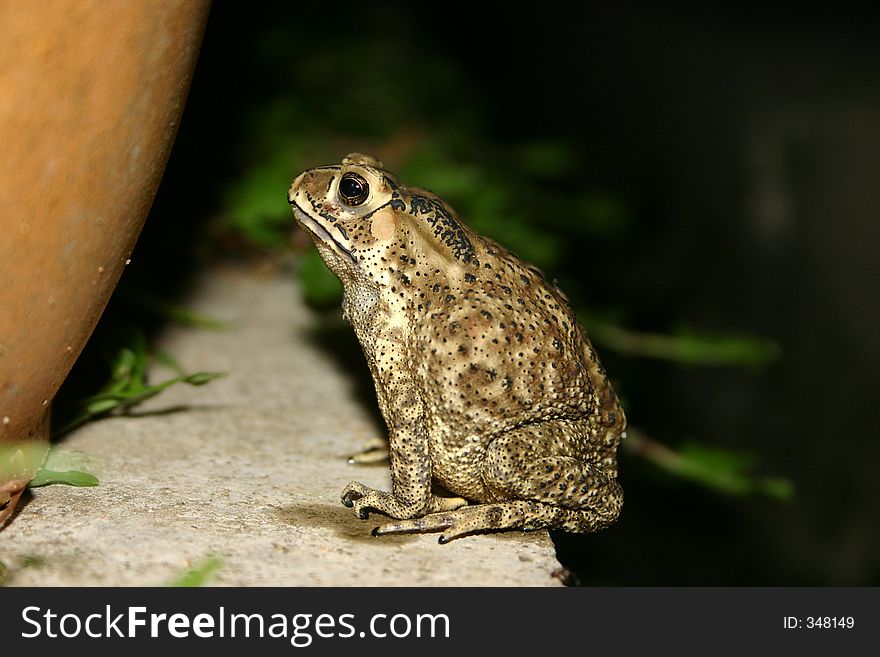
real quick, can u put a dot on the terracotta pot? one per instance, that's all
(91, 94)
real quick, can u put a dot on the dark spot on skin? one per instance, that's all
(446, 226)
(470, 278)
(450, 297)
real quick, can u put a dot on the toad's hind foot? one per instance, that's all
(497, 516)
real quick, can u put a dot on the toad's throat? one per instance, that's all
(320, 232)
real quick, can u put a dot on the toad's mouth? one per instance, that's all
(320, 232)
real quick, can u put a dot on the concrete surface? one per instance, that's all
(249, 467)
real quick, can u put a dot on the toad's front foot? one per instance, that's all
(365, 499)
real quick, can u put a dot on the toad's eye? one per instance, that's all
(353, 189)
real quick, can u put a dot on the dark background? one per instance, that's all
(739, 154)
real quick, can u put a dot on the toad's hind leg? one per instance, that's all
(530, 490)
(497, 516)
(521, 466)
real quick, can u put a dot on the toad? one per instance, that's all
(488, 384)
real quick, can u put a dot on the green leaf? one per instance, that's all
(717, 468)
(124, 364)
(128, 385)
(776, 487)
(99, 406)
(201, 378)
(62, 466)
(723, 470)
(257, 203)
(199, 574)
(71, 478)
(685, 347)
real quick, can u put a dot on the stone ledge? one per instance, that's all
(249, 467)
